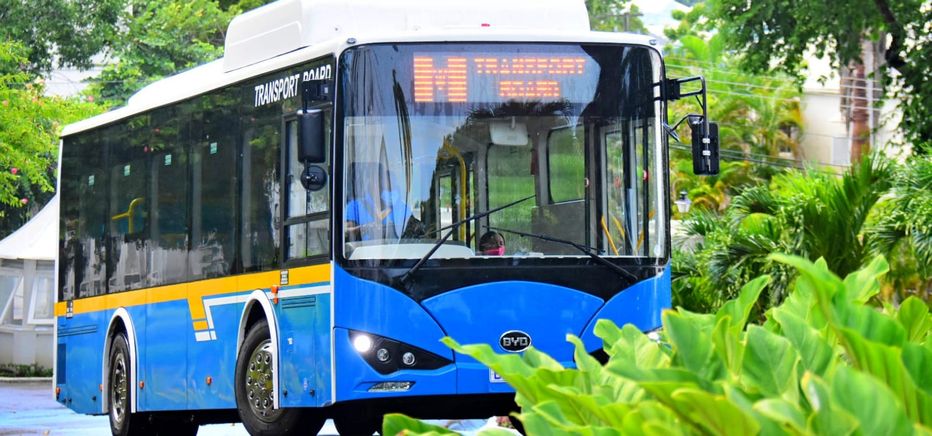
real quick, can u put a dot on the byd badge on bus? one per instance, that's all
(514, 341)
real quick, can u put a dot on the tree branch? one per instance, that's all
(892, 54)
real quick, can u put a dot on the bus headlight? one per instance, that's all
(381, 354)
(362, 343)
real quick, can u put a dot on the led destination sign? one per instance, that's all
(457, 78)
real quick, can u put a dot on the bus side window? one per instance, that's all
(129, 209)
(307, 221)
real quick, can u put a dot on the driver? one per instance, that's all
(377, 212)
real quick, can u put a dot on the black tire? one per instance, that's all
(357, 420)
(120, 391)
(254, 400)
(357, 425)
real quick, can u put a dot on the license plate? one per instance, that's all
(495, 378)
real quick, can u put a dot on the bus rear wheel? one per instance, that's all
(255, 394)
(122, 421)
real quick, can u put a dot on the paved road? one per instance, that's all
(29, 409)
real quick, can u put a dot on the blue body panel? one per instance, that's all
(318, 365)
(641, 304)
(83, 340)
(164, 370)
(304, 347)
(215, 359)
(372, 307)
(475, 314)
(482, 313)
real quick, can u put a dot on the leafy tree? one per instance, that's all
(29, 127)
(60, 32)
(162, 38)
(614, 16)
(901, 228)
(782, 32)
(814, 215)
(165, 37)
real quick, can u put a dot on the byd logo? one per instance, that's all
(515, 341)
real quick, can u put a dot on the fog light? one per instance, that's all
(408, 358)
(391, 387)
(383, 355)
(362, 344)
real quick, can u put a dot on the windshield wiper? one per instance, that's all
(589, 251)
(407, 275)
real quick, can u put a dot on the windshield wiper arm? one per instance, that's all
(589, 251)
(407, 275)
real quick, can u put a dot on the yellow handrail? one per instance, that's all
(454, 153)
(129, 214)
(609, 235)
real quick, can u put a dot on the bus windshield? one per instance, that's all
(433, 134)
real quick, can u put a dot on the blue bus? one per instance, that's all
(284, 235)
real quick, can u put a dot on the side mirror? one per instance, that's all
(313, 178)
(704, 148)
(311, 136)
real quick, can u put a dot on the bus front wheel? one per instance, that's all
(255, 393)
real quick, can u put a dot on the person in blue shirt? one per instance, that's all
(376, 213)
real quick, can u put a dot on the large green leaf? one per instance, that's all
(918, 362)
(816, 280)
(739, 309)
(826, 416)
(728, 346)
(886, 364)
(871, 402)
(914, 317)
(692, 343)
(713, 413)
(769, 364)
(864, 283)
(630, 346)
(398, 424)
(815, 352)
(782, 411)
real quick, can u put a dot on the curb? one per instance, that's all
(21, 380)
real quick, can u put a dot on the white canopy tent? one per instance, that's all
(27, 289)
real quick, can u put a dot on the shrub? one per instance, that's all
(823, 362)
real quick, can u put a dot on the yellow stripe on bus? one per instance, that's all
(195, 292)
(200, 325)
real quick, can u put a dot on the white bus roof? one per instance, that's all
(289, 32)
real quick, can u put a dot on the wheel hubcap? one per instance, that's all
(259, 382)
(118, 388)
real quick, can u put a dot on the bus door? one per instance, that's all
(452, 183)
(304, 321)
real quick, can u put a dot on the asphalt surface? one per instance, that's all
(30, 409)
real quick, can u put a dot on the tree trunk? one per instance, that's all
(860, 131)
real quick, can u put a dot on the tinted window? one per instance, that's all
(129, 204)
(213, 193)
(169, 193)
(84, 218)
(261, 191)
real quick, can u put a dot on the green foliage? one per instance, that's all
(902, 226)
(823, 363)
(809, 214)
(59, 32)
(782, 33)
(30, 123)
(34, 370)
(162, 38)
(614, 16)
